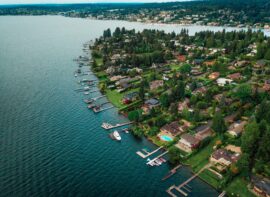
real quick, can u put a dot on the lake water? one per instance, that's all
(50, 143)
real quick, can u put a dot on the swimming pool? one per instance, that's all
(166, 138)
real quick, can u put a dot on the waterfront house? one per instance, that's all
(214, 75)
(156, 84)
(124, 83)
(223, 158)
(223, 81)
(149, 104)
(174, 128)
(204, 131)
(188, 143)
(130, 97)
(237, 128)
(260, 185)
(117, 78)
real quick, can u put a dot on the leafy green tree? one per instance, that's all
(185, 69)
(174, 109)
(263, 152)
(219, 125)
(134, 115)
(174, 155)
(164, 100)
(263, 111)
(137, 131)
(243, 164)
(142, 91)
(267, 54)
(180, 90)
(249, 142)
(244, 92)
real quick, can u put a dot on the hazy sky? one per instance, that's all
(74, 1)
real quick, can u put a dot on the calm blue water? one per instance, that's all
(50, 143)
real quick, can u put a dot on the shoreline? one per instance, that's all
(188, 166)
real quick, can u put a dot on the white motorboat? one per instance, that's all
(117, 136)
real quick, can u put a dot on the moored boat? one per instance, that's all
(116, 135)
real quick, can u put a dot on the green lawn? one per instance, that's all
(201, 158)
(116, 98)
(238, 187)
(210, 178)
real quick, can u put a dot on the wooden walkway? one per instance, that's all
(222, 194)
(182, 185)
(172, 172)
(148, 153)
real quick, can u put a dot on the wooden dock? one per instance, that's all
(172, 172)
(108, 126)
(222, 194)
(182, 185)
(104, 109)
(162, 154)
(148, 153)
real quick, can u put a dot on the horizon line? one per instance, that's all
(88, 3)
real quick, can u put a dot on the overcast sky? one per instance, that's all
(75, 1)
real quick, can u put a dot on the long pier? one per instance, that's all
(108, 126)
(148, 153)
(157, 157)
(182, 185)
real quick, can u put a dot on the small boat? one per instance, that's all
(86, 88)
(162, 159)
(86, 93)
(91, 106)
(88, 101)
(75, 75)
(116, 135)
